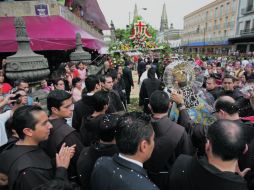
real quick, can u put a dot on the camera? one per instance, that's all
(16, 97)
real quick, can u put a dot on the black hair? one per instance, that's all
(133, 128)
(226, 105)
(151, 73)
(113, 74)
(81, 62)
(229, 77)
(9, 127)
(70, 64)
(75, 81)
(100, 99)
(56, 80)
(91, 82)
(159, 101)
(211, 78)
(55, 99)
(227, 139)
(19, 81)
(103, 77)
(117, 67)
(107, 127)
(60, 72)
(23, 118)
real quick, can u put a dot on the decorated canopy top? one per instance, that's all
(139, 36)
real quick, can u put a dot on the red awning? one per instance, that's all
(45, 33)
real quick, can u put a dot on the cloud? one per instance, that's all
(121, 11)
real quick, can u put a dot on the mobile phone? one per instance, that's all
(15, 97)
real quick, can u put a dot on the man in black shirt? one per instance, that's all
(225, 143)
(60, 106)
(128, 80)
(105, 146)
(25, 163)
(115, 103)
(83, 107)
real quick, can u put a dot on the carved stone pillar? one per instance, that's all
(79, 54)
(25, 63)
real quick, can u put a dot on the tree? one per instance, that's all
(120, 34)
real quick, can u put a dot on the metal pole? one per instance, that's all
(129, 18)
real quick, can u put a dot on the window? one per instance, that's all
(227, 7)
(226, 22)
(233, 5)
(221, 10)
(232, 23)
(216, 12)
(249, 5)
(247, 25)
(211, 14)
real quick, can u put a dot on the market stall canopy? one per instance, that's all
(46, 33)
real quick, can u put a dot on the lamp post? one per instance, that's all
(145, 11)
(204, 36)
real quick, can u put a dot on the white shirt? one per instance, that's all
(131, 160)
(144, 76)
(244, 63)
(3, 118)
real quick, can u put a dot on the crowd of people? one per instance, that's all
(85, 137)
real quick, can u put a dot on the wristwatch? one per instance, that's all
(181, 106)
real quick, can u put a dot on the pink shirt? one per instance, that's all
(76, 94)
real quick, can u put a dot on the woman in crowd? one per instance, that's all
(77, 89)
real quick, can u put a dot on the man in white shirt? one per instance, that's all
(20, 100)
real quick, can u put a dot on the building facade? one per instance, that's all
(171, 36)
(208, 29)
(168, 35)
(244, 39)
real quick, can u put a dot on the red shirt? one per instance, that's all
(75, 73)
(5, 89)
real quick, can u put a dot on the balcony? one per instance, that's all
(247, 10)
(247, 32)
(27, 8)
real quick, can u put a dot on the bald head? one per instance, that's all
(227, 99)
(227, 104)
(227, 139)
